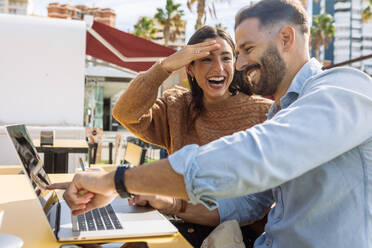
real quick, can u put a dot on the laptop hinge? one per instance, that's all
(58, 220)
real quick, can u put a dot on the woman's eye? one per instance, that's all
(206, 60)
(227, 58)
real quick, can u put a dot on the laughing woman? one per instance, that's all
(217, 105)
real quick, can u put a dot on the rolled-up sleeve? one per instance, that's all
(246, 209)
(306, 134)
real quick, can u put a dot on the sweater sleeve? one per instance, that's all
(139, 110)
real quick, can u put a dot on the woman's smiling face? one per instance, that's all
(215, 72)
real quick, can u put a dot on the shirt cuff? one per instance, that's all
(227, 210)
(184, 163)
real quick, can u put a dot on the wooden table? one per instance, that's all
(10, 169)
(56, 156)
(23, 216)
(105, 167)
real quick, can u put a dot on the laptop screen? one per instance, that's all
(32, 164)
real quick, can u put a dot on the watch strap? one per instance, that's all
(119, 181)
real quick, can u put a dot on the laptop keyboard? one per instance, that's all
(99, 219)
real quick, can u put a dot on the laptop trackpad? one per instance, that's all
(134, 213)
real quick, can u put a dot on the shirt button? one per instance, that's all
(279, 216)
(268, 243)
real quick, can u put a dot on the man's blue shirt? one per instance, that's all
(313, 158)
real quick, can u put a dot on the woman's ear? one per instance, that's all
(189, 70)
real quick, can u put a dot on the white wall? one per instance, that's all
(41, 71)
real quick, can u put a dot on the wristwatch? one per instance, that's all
(119, 181)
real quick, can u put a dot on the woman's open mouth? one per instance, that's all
(216, 82)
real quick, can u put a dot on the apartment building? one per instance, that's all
(353, 37)
(17, 7)
(66, 11)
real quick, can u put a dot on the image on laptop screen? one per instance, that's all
(32, 164)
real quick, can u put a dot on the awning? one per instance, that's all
(106, 71)
(123, 49)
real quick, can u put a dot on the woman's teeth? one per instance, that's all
(216, 80)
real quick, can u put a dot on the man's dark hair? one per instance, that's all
(270, 12)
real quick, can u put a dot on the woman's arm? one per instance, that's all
(138, 108)
(198, 213)
(140, 112)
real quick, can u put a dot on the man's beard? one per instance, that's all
(272, 68)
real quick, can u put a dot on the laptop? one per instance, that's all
(116, 220)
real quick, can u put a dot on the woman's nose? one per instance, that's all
(218, 65)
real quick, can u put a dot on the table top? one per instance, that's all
(23, 216)
(105, 167)
(10, 169)
(64, 145)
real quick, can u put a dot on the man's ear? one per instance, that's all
(189, 70)
(287, 37)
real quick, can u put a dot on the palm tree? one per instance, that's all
(322, 31)
(366, 13)
(202, 6)
(219, 26)
(145, 28)
(170, 19)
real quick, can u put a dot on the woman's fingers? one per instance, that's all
(202, 51)
(204, 44)
(188, 54)
(140, 200)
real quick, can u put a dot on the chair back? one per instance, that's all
(134, 154)
(92, 153)
(118, 148)
(95, 136)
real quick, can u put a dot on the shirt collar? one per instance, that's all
(311, 68)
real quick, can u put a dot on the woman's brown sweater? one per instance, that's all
(164, 121)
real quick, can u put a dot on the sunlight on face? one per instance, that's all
(215, 72)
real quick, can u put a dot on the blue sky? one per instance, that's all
(128, 11)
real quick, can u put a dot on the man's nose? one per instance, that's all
(240, 63)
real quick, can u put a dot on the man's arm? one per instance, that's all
(89, 190)
(157, 178)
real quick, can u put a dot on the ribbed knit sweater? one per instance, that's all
(164, 121)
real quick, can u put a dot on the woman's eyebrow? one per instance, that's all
(224, 53)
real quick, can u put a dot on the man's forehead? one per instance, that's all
(250, 31)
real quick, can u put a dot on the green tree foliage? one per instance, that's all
(219, 26)
(203, 6)
(145, 28)
(366, 13)
(322, 31)
(170, 19)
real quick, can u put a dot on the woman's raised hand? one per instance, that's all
(188, 54)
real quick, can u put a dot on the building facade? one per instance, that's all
(17, 7)
(65, 11)
(353, 37)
